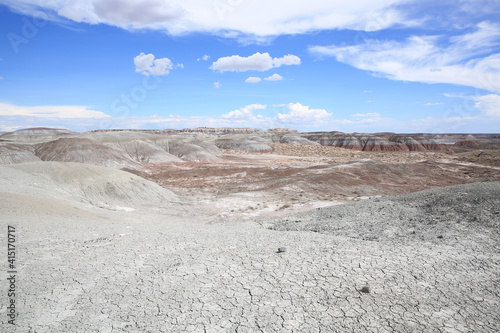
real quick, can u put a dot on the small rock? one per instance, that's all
(440, 236)
(281, 250)
(365, 289)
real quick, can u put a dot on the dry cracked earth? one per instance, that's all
(300, 239)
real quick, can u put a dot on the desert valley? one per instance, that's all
(244, 230)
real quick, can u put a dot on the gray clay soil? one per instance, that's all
(423, 262)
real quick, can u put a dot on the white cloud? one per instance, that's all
(4, 128)
(244, 113)
(432, 104)
(454, 95)
(59, 111)
(146, 64)
(464, 59)
(253, 79)
(255, 19)
(372, 114)
(298, 113)
(217, 84)
(274, 77)
(135, 13)
(256, 62)
(292, 115)
(489, 105)
(289, 59)
(1, 78)
(204, 58)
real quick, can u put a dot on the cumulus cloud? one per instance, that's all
(256, 62)
(146, 64)
(59, 111)
(253, 79)
(244, 113)
(298, 113)
(292, 114)
(217, 85)
(289, 59)
(463, 59)
(274, 77)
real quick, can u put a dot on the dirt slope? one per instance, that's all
(83, 150)
(84, 183)
(11, 153)
(450, 215)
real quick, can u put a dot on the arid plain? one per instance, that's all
(242, 230)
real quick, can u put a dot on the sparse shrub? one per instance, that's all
(285, 206)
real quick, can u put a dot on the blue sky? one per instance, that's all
(357, 66)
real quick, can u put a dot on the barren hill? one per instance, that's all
(11, 153)
(82, 183)
(364, 142)
(83, 151)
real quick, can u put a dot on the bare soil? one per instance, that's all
(293, 178)
(100, 250)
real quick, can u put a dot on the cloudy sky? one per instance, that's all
(352, 66)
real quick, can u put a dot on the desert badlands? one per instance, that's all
(243, 230)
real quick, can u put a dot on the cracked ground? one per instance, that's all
(201, 265)
(143, 271)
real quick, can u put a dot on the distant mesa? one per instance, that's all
(205, 130)
(282, 130)
(41, 131)
(221, 131)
